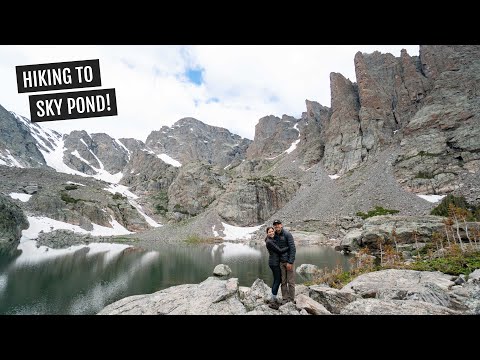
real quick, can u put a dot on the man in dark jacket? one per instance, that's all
(283, 238)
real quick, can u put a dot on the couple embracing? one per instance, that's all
(281, 249)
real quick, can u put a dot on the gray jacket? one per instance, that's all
(274, 252)
(285, 239)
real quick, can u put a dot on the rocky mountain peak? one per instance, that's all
(92, 154)
(189, 140)
(17, 141)
(273, 136)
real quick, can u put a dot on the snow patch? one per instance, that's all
(123, 146)
(169, 160)
(234, 251)
(273, 158)
(293, 146)
(74, 183)
(31, 253)
(147, 218)
(54, 159)
(122, 189)
(335, 176)
(215, 233)
(13, 161)
(77, 155)
(432, 198)
(20, 196)
(39, 223)
(238, 233)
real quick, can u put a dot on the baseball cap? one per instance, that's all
(275, 222)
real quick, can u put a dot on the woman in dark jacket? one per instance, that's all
(274, 262)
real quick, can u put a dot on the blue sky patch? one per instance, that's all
(128, 63)
(195, 76)
(273, 98)
(213, 100)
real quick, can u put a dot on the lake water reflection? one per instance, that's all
(83, 280)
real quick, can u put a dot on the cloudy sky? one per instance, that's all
(228, 86)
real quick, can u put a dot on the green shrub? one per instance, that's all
(377, 211)
(454, 265)
(161, 202)
(424, 175)
(269, 179)
(459, 202)
(180, 209)
(118, 196)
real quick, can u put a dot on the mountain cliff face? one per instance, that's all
(442, 140)
(409, 125)
(367, 115)
(343, 133)
(18, 147)
(312, 133)
(191, 140)
(272, 136)
(90, 154)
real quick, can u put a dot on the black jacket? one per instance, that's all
(274, 251)
(285, 239)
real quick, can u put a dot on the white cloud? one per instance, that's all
(249, 81)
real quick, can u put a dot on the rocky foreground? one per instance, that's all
(386, 292)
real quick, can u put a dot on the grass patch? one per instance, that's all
(424, 175)
(124, 239)
(377, 211)
(194, 239)
(453, 264)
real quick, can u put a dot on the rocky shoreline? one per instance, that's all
(385, 292)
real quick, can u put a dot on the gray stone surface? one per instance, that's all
(395, 307)
(12, 222)
(310, 305)
(333, 300)
(211, 297)
(222, 270)
(392, 284)
(16, 140)
(307, 269)
(249, 202)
